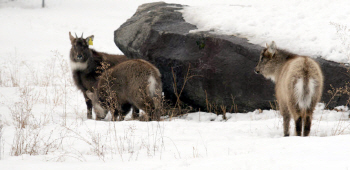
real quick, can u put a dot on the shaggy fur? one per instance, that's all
(299, 85)
(85, 64)
(134, 83)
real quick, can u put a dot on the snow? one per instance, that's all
(303, 27)
(36, 86)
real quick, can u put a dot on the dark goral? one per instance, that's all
(85, 63)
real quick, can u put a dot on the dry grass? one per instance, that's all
(52, 90)
(30, 135)
(11, 72)
(343, 33)
(127, 143)
(110, 95)
(1, 138)
(33, 136)
(179, 108)
(1, 83)
(220, 109)
(341, 127)
(21, 111)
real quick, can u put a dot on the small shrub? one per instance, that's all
(21, 111)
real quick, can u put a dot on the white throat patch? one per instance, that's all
(78, 66)
(152, 85)
(272, 77)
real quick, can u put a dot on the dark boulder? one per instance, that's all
(215, 70)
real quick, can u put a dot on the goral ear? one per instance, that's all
(71, 38)
(88, 38)
(271, 48)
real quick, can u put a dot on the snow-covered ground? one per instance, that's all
(36, 92)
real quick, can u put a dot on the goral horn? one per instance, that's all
(76, 35)
(81, 35)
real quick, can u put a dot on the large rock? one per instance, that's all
(215, 70)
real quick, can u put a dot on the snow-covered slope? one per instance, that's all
(304, 27)
(37, 93)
